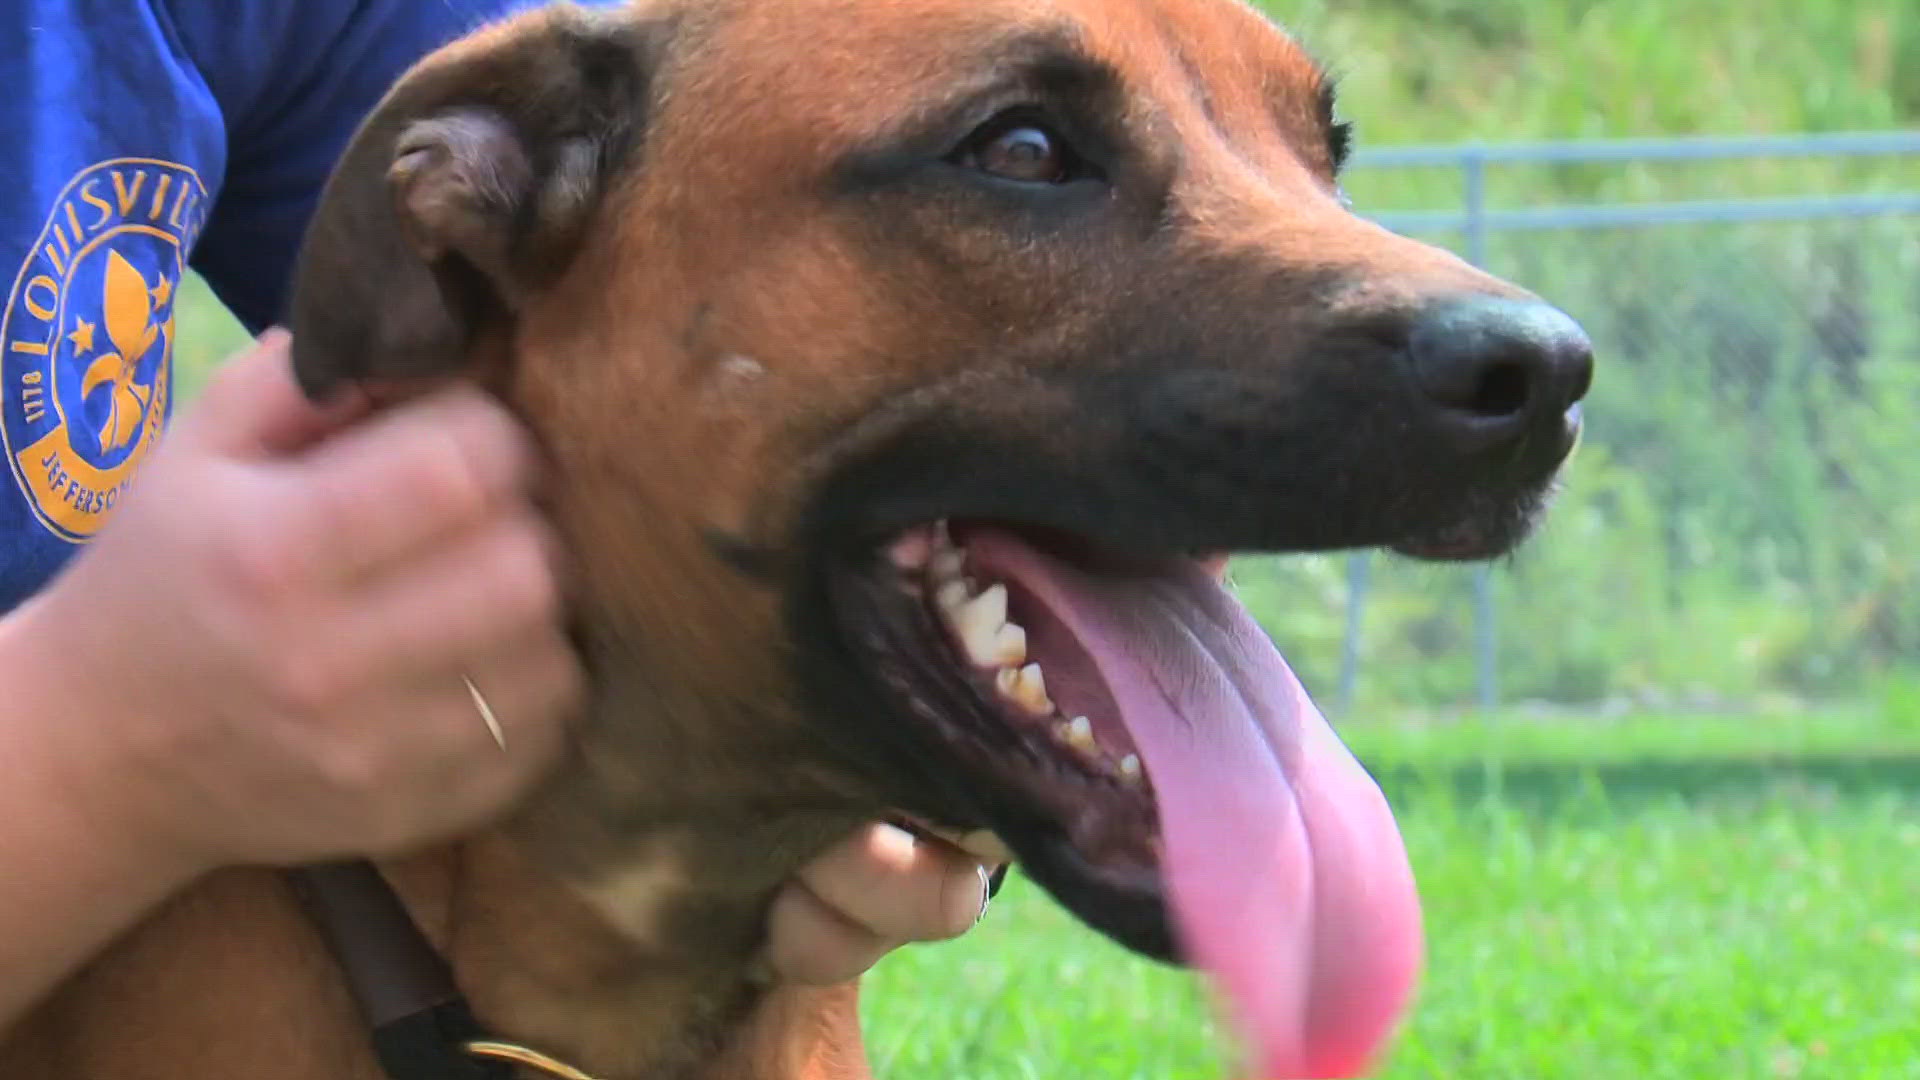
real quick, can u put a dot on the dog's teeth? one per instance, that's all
(1027, 688)
(991, 606)
(1080, 734)
(1033, 691)
(1007, 681)
(1130, 767)
(980, 645)
(986, 845)
(978, 622)
(1010, 646)
(951, 596)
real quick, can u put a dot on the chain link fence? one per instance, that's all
(1741, 525)
(1742, 522)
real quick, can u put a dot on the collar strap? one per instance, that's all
(420, 1024)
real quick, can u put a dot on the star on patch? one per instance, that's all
(161, 292)
(82, 337)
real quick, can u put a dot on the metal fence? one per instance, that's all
(1767, 313)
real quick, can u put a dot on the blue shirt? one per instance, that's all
(146, 137)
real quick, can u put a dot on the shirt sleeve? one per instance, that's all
(294, 78)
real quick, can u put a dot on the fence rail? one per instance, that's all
(1603, 151)
(1474, 221)
(1631, 215)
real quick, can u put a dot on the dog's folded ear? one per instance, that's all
(468, 186)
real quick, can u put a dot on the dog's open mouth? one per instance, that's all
(1148, 755)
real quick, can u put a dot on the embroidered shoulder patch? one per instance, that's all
(86, 341)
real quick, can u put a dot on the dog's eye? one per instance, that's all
(1019, 146)
(1023, 153)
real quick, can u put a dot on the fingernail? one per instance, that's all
(966, 900)
(978, 897)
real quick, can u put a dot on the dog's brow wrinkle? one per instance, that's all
(1051, 59)
(1195, 73)
(696, 326)
(743, 556)
(1058, 44)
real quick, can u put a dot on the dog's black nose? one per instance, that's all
(1502, 370)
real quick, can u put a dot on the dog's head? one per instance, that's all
(885, 351)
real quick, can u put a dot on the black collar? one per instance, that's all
(420, 1024)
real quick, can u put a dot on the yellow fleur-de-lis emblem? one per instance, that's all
(128, 312)
(87, 336)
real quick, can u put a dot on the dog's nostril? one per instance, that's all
(1495, 366)
(1502, 391)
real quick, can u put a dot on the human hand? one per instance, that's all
(876, 890)
(262, 654)
(267, 646)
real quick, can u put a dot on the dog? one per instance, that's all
(901, 367)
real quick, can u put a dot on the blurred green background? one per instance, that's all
(1689, 846)
(1739, 527)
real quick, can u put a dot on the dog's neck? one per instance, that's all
(542, 967)
(616, 922)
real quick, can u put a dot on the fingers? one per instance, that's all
(898, 887)
(874, 891)
(532, 687)
(499, 584)
(441, 736)
(815, 945)
(407, 479)
(254, 407)
(306, 590)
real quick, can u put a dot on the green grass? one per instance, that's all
(1641, 740)
(1442, 70)
(206, 335)
(1698, 897)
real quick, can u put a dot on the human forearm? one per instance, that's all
(75, 869)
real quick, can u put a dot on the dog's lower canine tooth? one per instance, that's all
(1130, 766)
(1027, 688)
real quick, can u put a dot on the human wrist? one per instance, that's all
(82, 784)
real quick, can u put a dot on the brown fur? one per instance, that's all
(657, 277)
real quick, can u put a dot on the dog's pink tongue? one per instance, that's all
(1288, 878)
(1287, 873)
